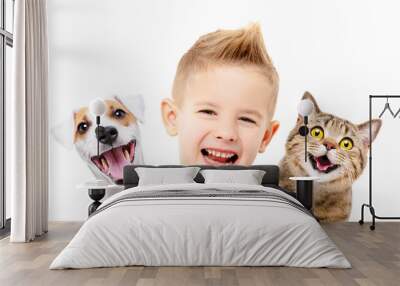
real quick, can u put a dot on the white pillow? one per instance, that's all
(161, 176)
(248, 177)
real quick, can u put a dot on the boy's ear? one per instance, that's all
(169, 115)
(269, 133)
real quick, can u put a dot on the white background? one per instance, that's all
(341, 51)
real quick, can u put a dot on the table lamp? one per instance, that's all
(305, 108)
(97, 107)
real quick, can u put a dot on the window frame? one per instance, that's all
(6, 39)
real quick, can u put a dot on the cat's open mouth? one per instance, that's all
(322, 164)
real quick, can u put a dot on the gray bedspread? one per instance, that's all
(201, 224)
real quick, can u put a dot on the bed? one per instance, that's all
(201, 224)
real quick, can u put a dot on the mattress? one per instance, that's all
(201, 225)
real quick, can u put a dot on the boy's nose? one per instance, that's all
(227, 138)
(226, 132)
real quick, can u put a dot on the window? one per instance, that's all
(6, 44)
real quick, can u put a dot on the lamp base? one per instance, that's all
(96, 195)
(304, 193)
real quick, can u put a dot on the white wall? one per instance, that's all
(341, 51)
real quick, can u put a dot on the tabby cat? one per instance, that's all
(337, 153)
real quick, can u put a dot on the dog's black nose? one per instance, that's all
(106, 135)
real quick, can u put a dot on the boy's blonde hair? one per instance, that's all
(243, 46)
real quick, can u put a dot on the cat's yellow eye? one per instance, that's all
(317, 132)
(346, 144)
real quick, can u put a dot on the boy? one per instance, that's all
(223, 99)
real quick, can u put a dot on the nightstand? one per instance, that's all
(304, 190)
(96, 190)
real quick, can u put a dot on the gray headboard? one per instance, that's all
(271, 177)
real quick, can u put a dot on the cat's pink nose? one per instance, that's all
(329, 145)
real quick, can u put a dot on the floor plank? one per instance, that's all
(374, 255)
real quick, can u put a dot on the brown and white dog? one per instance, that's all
(119, 137)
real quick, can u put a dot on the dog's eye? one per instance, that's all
(119, 113)
(83, 127)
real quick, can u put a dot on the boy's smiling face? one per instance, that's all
(222, 116)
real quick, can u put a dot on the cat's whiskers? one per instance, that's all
(341, 157)
(350, 174)
(344, 173)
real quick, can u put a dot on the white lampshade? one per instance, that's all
(305, 107)
(97, 107)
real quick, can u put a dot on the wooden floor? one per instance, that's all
(374, 255)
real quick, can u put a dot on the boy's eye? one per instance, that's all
(207, 111)
(246, 119)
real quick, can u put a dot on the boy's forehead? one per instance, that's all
(214, 72)
(230, 84)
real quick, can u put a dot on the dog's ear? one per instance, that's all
(63, 133)
(134, 103)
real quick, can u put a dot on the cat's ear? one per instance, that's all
(308, 95)
(363, 130)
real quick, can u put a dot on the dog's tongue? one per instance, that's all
(116, 162)
(323, 163)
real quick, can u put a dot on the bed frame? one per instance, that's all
(270, 179)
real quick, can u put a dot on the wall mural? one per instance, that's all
(337, 152)
(223, 99)
(120, 140)
(222, 112)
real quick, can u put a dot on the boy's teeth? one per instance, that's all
(219, 154)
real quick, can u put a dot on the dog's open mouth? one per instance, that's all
(322, 164)
(113, 161)
(219, 156)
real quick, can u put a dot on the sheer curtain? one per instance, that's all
(28, 115)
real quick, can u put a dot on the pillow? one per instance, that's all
(248, 177)
(160, 176)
